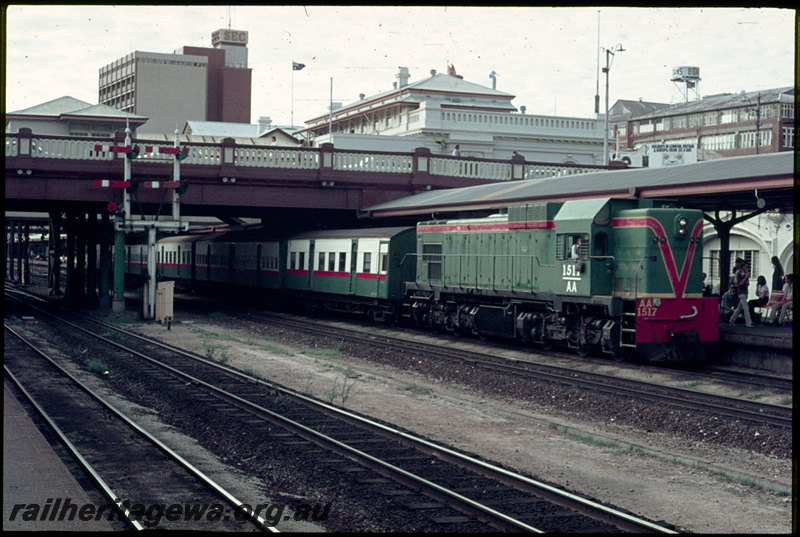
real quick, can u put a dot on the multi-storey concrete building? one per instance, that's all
(194, 83)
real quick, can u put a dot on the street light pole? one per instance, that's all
(609, 59)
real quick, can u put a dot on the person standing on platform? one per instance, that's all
(777, 274)
(457, 151)
(742, 281)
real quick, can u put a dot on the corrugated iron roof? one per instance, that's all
(719, 102)
(70, 106)
(619, 183)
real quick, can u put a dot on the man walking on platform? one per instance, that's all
(742, 282)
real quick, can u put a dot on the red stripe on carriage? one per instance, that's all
(331, 274)
(370, 276)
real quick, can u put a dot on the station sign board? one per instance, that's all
(663, 155)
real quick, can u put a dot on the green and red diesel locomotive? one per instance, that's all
(632, 285)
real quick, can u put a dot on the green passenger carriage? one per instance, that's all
(356, 270)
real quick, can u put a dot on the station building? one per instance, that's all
(206, 84)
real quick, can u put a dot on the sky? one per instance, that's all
(550, 59)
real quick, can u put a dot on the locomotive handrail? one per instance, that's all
(613, 268)
(639, 267)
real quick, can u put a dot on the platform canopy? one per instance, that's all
(738, 183)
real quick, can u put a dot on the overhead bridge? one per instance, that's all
(235, 179)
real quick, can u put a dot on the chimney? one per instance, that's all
(402, 77)
(360, 96)
(522, 109)
(433, 72)
(264, 123)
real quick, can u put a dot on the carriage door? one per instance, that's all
(302, 262)
(353, 266)
(383, 269)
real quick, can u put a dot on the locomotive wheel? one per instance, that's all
(583, 349)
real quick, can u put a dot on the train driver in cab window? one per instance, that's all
(575, 254)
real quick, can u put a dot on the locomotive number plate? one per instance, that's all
(647, 307)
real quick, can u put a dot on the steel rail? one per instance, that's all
(73, 450)
(759, 412)
(374, 462)
(258, 520)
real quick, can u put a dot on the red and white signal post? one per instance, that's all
(124, 222)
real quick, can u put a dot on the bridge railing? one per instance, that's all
(299, 158)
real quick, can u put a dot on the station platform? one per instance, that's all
(760, 347)
(35, 477)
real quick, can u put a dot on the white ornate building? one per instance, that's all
(442, 111)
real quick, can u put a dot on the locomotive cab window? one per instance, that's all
(572, 246)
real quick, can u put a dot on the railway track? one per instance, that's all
(438, 488)
(140, 477)
(739, 409)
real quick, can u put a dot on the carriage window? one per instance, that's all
(301, 262)
(384, 262)
(292, 260)
(331, 261)
(367, 262)
(321, 261)
(342, 259)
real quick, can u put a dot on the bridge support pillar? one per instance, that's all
(80, 256)
(91, 258)
(118, 295)
(71, 227)
(54, 255)
(104, 292)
